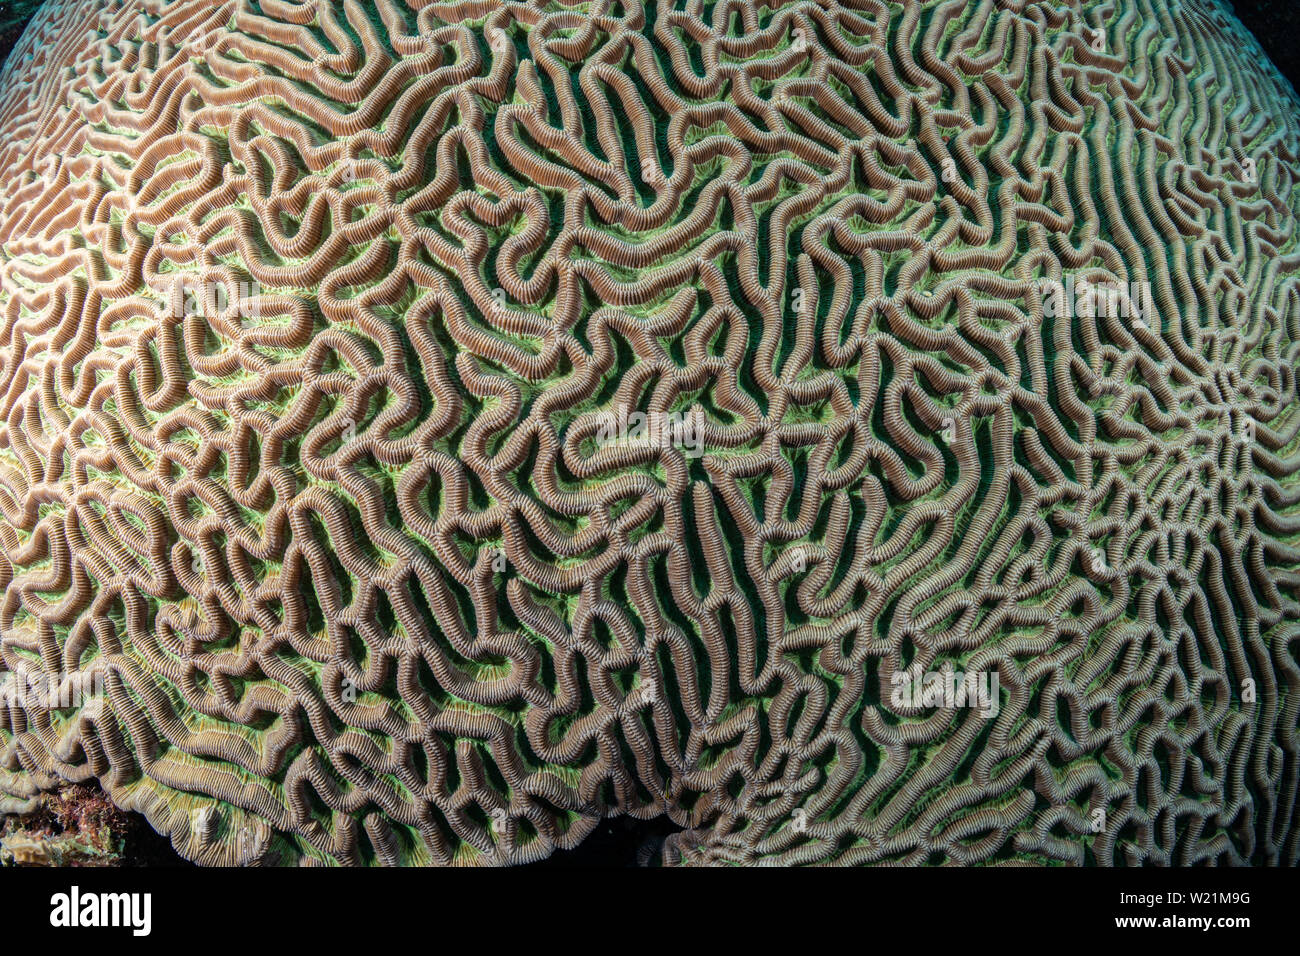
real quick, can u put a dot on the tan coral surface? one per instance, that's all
(338, 565)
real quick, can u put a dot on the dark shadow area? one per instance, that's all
(617, 842)
(145, 846)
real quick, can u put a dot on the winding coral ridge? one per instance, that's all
(358, 582)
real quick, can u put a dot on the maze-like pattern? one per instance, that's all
(359, 582)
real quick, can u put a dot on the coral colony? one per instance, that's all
(856, 432)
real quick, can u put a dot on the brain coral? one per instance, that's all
(338, 560)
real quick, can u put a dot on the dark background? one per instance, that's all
(14, 15)
(619, 842)
(1274, 24)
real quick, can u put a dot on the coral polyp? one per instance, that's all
(859, 432)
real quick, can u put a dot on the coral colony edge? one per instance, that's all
(859, 432)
